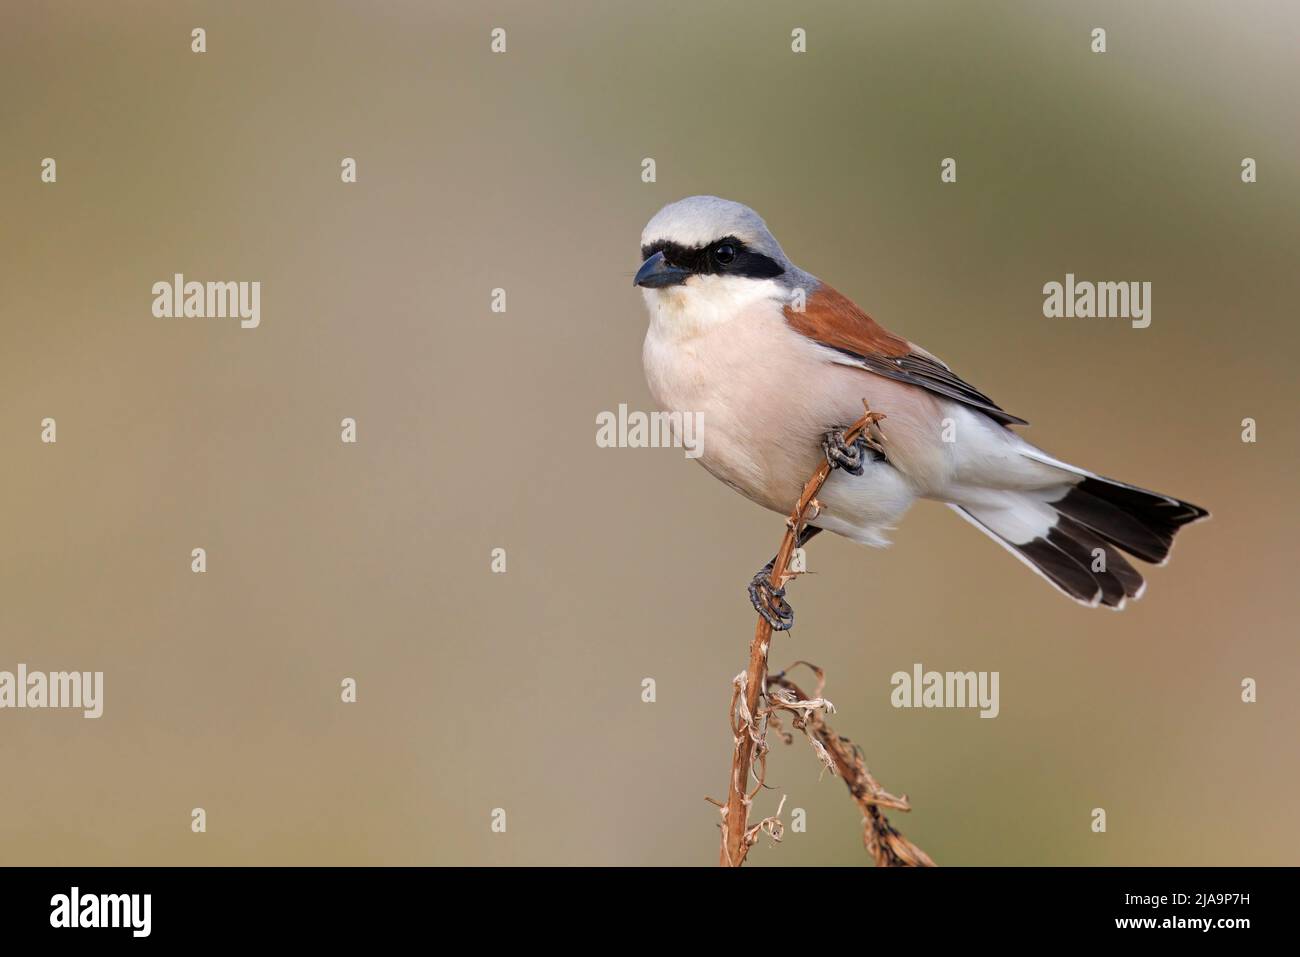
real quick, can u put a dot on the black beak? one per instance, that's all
(656, 272)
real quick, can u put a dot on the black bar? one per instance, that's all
(331, 905)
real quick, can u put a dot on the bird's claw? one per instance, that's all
(842, 455)
(769, 601)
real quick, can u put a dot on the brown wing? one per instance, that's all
(833, 320)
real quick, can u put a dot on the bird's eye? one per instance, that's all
(725, 253)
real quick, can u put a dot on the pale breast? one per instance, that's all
(761, 394)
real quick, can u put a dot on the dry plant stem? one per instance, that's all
(883, 842)
(747, 726)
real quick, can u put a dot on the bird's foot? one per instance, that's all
(843, 455)
(769, 601)
(852, 457)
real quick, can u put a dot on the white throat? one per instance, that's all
(705, 302)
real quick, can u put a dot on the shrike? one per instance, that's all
(779, 364)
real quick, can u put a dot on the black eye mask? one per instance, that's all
(704, 260)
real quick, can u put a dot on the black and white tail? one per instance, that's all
(1074, 533)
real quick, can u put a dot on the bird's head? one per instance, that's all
(707, 257)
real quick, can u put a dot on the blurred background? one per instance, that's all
(522, 690)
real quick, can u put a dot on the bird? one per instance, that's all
(777, 363)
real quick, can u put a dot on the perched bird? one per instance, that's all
(779, 364)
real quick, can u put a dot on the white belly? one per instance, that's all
(766, 396)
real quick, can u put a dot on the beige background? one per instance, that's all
(522, 690)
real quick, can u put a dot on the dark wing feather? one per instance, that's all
(930, 373)
(834, 321)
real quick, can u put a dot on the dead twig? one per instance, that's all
(749, 719)
(887, 847)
